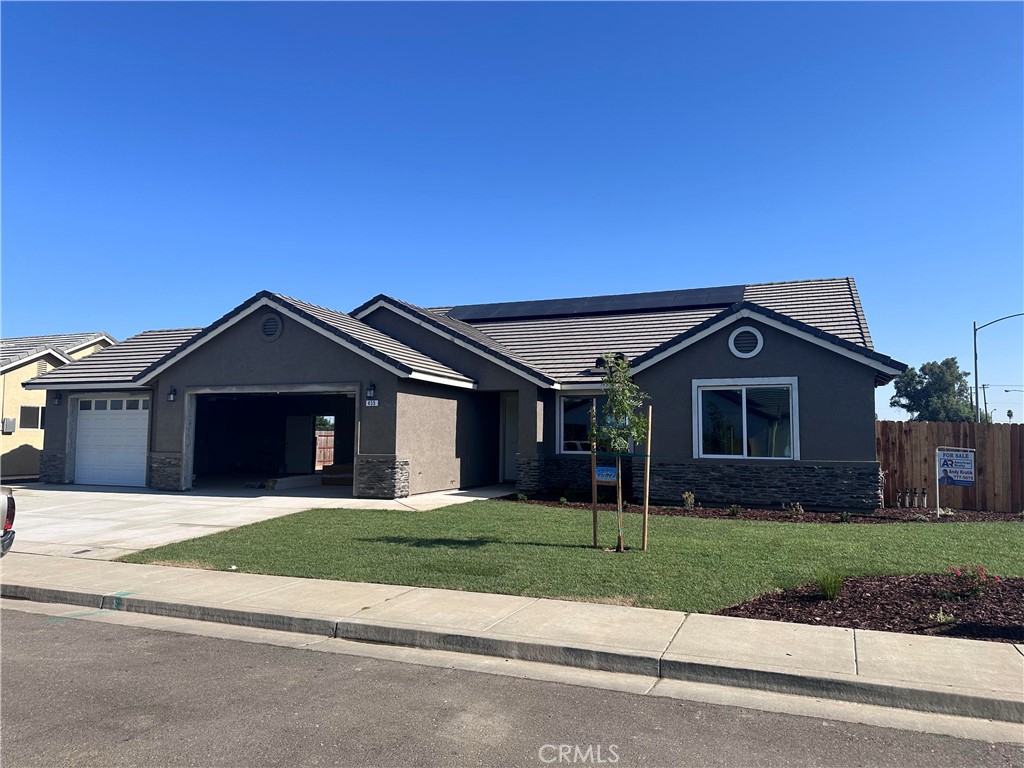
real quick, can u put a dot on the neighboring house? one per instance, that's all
(24, 411)
(762, 394)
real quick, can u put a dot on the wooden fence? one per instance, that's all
(906, 451)
(324, 448)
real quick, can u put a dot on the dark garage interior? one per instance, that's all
(268, 435)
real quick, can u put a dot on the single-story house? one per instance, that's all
(23, 412)
(762, 394)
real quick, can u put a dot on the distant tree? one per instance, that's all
(938, 392)
(324, 424)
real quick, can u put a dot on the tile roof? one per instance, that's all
(120, 364)
(456, 328)
(13, 350)
(377, 343)
(563, 338)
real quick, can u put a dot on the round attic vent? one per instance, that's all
(745, 342)
(270, 326)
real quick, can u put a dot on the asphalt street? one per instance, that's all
(85, 693)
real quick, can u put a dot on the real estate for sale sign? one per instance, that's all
(954, 466)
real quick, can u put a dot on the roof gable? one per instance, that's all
(461, 333)
(885, 366)
(355, 336)
(16, 351)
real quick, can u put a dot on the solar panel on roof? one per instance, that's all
(602, 305)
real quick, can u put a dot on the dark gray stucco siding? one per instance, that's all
(836, 394)
(240, 357)
(450, 436)
(488, 376)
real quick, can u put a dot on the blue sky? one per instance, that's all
(164, 161)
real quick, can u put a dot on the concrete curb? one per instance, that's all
(842, 688)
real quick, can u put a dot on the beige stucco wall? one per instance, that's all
(19, 452)
(86, 351)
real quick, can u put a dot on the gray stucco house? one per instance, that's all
(763, 394)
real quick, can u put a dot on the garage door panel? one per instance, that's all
(112, 447)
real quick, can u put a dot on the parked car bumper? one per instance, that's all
(5, 544)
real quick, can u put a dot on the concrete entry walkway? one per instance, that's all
(103, 523)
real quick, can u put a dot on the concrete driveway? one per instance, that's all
(102, 523)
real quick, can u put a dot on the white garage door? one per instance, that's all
(113, 437)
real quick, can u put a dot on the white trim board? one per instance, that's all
(455, 340)
(771, 322)
(35, 356)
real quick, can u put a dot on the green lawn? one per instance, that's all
(521, 549)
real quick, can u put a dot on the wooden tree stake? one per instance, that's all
(593, 465)
(647, 475)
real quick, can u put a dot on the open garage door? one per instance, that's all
(251, 438)
(112, 441)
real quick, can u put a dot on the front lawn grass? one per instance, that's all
(521, 549)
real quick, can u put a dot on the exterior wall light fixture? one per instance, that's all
(57, 397)
(172, 394)
(371, 391)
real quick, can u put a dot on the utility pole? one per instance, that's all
(977, 403)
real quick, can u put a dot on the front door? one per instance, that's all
(299, 445)
(509, 435)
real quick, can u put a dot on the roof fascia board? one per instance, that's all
(582, 388)
(442, 380)
(455, 340)
(772, 322)
(71, 385)
(35, 356)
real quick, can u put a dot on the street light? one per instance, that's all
(977, 404)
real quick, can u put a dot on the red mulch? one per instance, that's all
(901, 604)
(888, 515)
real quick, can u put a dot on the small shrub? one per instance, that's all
(945, 512)
(844, 517)
(563, 501)
(920, 518)
(735, 510)
(973, 579)
(796, 509)
(942, 617)
(520, 497)
(830, 582)
(689, 502)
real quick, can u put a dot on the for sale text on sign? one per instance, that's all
(955, 466)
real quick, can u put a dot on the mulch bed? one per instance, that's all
(914, 604)
(888, 515)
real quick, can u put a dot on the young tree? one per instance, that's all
(939, 392)
(621, 421)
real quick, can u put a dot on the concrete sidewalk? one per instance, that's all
(959, 677)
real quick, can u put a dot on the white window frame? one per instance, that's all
(767, 381)
(40, 417)
(560, 429)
